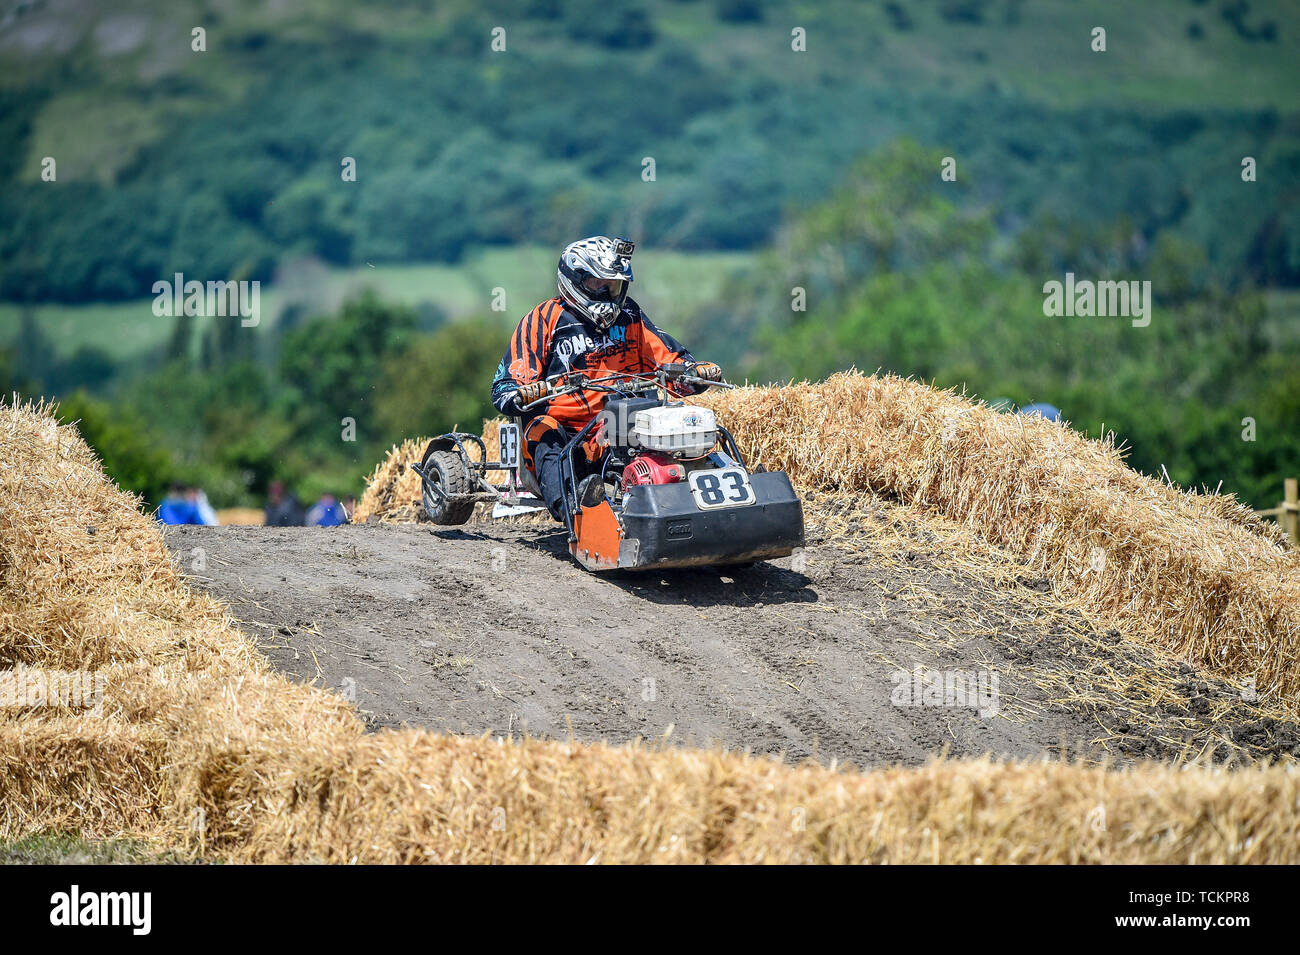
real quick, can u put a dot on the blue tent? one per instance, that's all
(1043, 410)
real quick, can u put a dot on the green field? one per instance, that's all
(225, 162)
(670, 285)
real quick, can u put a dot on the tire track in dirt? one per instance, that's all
(492, 628)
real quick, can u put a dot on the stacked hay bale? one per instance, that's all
(241, 516)
(392, 491)
(1196, 574)
(198, 748)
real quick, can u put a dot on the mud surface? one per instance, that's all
(493, 628)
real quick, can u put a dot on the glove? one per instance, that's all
(706, 370)
(530, 392)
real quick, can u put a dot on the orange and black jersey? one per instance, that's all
(551, 339)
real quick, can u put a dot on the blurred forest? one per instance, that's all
(817, 170)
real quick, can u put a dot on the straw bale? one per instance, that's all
(201, 749)
(1195, 574)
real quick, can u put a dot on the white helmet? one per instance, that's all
(598, 259)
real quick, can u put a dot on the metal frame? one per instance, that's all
(476, 471)
(569, 497)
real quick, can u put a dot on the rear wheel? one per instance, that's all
(445, 469)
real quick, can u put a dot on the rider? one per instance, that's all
(593, 327)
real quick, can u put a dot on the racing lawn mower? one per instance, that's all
(671, 489)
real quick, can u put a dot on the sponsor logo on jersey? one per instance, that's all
(567, 349)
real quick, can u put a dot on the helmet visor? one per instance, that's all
(602, 290)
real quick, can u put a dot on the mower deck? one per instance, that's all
(661, 527)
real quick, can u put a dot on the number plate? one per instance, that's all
(722, 487)
(508, 441)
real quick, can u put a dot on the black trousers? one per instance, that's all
(547, 451)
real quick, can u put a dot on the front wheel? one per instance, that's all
(446, 470)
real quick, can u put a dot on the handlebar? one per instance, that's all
(575, 381)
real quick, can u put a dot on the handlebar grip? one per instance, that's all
(708, 382)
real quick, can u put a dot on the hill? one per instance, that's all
(223, 161)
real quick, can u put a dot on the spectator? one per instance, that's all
(328, 512)
(282, 510)
(202, 508)
(176, 508)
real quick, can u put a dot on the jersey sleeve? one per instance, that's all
(526, 355)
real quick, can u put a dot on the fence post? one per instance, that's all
(1290, 508)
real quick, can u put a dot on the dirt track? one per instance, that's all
(492, 628)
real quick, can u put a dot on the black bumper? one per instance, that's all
(662, 527)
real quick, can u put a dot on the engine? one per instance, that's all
(684, 431)
(653, 467)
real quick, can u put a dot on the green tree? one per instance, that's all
(442, 381)
(332, 369)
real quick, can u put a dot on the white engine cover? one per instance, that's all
(684, 431)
